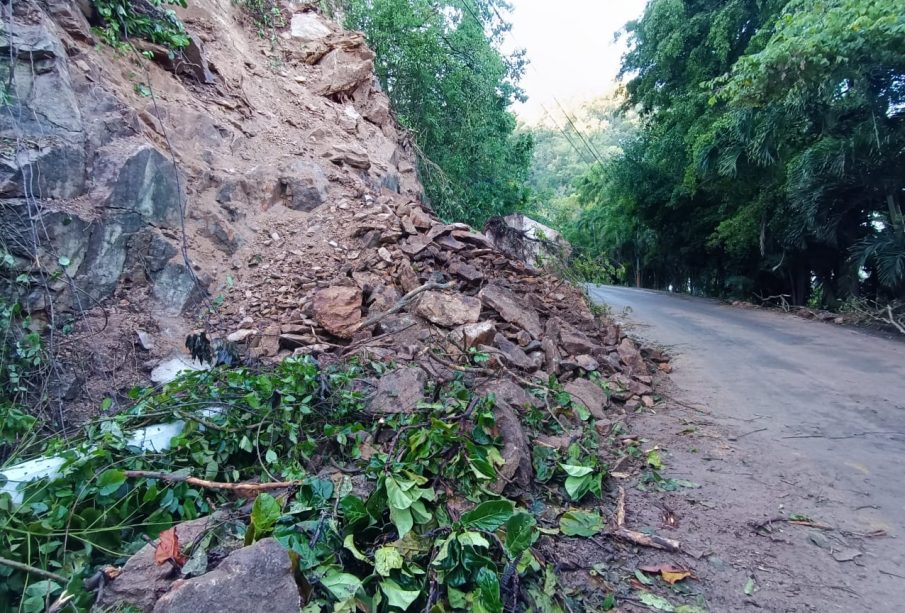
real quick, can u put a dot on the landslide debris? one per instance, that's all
(413, 405)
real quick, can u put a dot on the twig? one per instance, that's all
(735, 438)
(214, 485)
(639, 538)
(797, 522)
(431, 284)
(845, 436)
(33, 570)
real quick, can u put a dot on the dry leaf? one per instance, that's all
(672, 578)
(668, 572)
(168, 548)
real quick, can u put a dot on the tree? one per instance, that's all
(450, 85)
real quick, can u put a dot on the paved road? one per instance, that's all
(815, 415)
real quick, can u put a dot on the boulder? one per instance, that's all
(575, 342)
(516, 452)
(448, 309)
(246, 580)
(399, 391)
(588, 394)
(337, 309)
(510, 308)
(303, 186)
(472, 335)
(511, 393)
(631, 357)
(344, 69)
(142, 581)
(308, 27)
(465, 271)
(349, 154)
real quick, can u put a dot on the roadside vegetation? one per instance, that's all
(768, 159)
(383, 511)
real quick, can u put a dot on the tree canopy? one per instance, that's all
(451, 86)
(770, 155)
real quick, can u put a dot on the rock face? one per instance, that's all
(337, 309)
(631, 357)
(448, 310)
(253, 578)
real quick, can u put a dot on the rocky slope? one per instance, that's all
(130, 191)
(265, 196)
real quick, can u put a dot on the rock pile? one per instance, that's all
(438, 300)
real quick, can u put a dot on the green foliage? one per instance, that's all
(450, 85)
(769, 153)
(386, 546)
(146, 19)
(267, 15)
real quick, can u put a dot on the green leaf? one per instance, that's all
(488, 515)
(342, 586)
(576, 471)
(656, 602)
(386, 559)
(654, 460)
(398, 597)
(577, 487)
(750, 586)
(402, 519)
(109, 481)
(580, 523)
(688, 608)
(487, 599)
(245, 444)
(520, 534)
(270, 456)
(473, 539)
(397, 497)
(609, 603)
(64, 261)
(641, 577)
(349, 543)
(264, 514)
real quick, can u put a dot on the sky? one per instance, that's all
(571, 49)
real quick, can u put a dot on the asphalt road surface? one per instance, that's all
(814, 420)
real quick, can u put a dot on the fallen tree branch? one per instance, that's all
(639, 538)
(401, 304)
(211, 485)
(34, 571)
(647, 540)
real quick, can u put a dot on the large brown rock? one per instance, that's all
(631, 357)
(337, 309)
(142, 581)
(511, 309)
(472, 335)
(575, 342)
(516, 451)
(254, 578)
(399, 391)
(588, 394)
(448, 309)
(512, 353)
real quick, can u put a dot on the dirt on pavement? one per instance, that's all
(776, 419)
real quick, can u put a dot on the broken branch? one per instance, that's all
(401, 304)
(213, 485)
